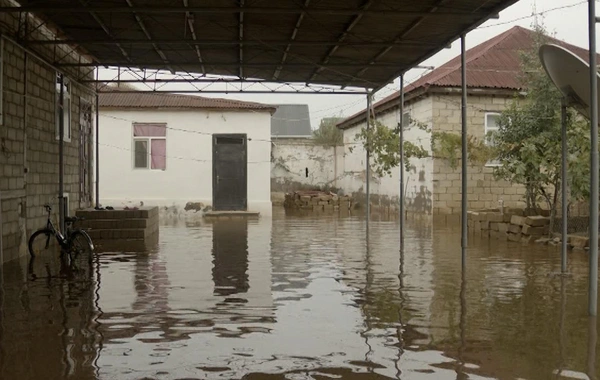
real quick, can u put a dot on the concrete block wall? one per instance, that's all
(484, 190)
(28, 144)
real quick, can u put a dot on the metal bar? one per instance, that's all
(243, 91)
(291, 40)
(61, 153)
(1, 233)
(464, 202)
(145, 30)
(593, 254)
(151, 64)
(341, 38)
(368, 158)
(194, 80)
(189, 17)
(401, 133)
(592, 344)
(241, 38)
(564, 186)
(229, 10)
(481, 18)
(264, 43)
(97, 151)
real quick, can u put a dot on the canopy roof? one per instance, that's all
(350, 43)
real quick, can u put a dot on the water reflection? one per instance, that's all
(230, 256)
(301, 297)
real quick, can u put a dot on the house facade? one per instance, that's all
(432, 186)
(30, 106)
(173, 150)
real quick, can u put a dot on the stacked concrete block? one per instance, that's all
(512, 225)
(317, 201)
(121, 228)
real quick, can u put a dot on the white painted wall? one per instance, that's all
(188, 177)
(291, 158)
(419, 180)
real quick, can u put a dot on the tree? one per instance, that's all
(383, 143)
(328, 133)
(528, 142)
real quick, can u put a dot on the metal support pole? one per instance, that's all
(401, 133)
(368, 158)
(61, 153)
(564, 186)
(593, 289)
(464, 235)
(97, 152)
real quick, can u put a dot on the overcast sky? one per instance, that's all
(566, 18)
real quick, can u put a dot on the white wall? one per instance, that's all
(188, 177)
(291, 158)
(419, 180)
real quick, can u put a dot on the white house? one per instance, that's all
(174, 150)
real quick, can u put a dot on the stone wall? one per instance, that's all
(28, 143)
(300, 163)
(484, 191)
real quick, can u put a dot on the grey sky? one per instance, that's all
(566, 18)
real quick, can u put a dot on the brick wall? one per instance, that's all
(484, 191)
(28, 145)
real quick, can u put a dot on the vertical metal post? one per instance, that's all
(401, 133)
(61, 153)
(564, 186)
(368, 158)
(97, 152)
(593, 288)
(464, 235)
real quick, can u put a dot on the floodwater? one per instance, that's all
(301, 298)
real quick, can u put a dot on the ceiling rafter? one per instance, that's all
(190, 20)
(247, 42)
(241, 39)
(108, 33)
(228, 10)
(142, 26)
(401, 36)
(291, 40)
(366, 5)
(154, 64)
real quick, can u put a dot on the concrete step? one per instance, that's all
(141, 213)
(106, 224)
(125, 233)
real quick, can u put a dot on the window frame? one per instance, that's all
(487, 129)
(67, 128)
(148, 140)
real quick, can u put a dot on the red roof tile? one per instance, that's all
(493, 64)
(114, 97)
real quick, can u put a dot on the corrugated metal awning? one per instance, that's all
(354, 43)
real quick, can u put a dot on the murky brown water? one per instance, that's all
(300, 298)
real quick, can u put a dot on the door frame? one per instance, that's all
(244, 137)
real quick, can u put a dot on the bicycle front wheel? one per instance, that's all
(81, 249)
(42, 244)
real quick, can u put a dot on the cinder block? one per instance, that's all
(537, 221)
(536, 231)
(514, 237)
(515, 229)
(518, 220)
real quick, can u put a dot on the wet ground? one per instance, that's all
(301, 298)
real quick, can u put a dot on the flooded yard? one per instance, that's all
(301, 297)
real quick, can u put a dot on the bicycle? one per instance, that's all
(76, 243)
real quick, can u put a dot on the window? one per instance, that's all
(491, 127)
(406, 121)
(150, 146)
(65, 109)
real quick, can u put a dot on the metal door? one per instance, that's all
(85, 153)
(230, 181)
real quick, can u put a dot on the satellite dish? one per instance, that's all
(570, 74)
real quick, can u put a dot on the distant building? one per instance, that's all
(291, 121)
(432, 186)
(170, 150)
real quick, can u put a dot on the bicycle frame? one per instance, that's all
(62, 239)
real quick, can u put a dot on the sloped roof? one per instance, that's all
(114, 97)
(291, 120)
(493, 64)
